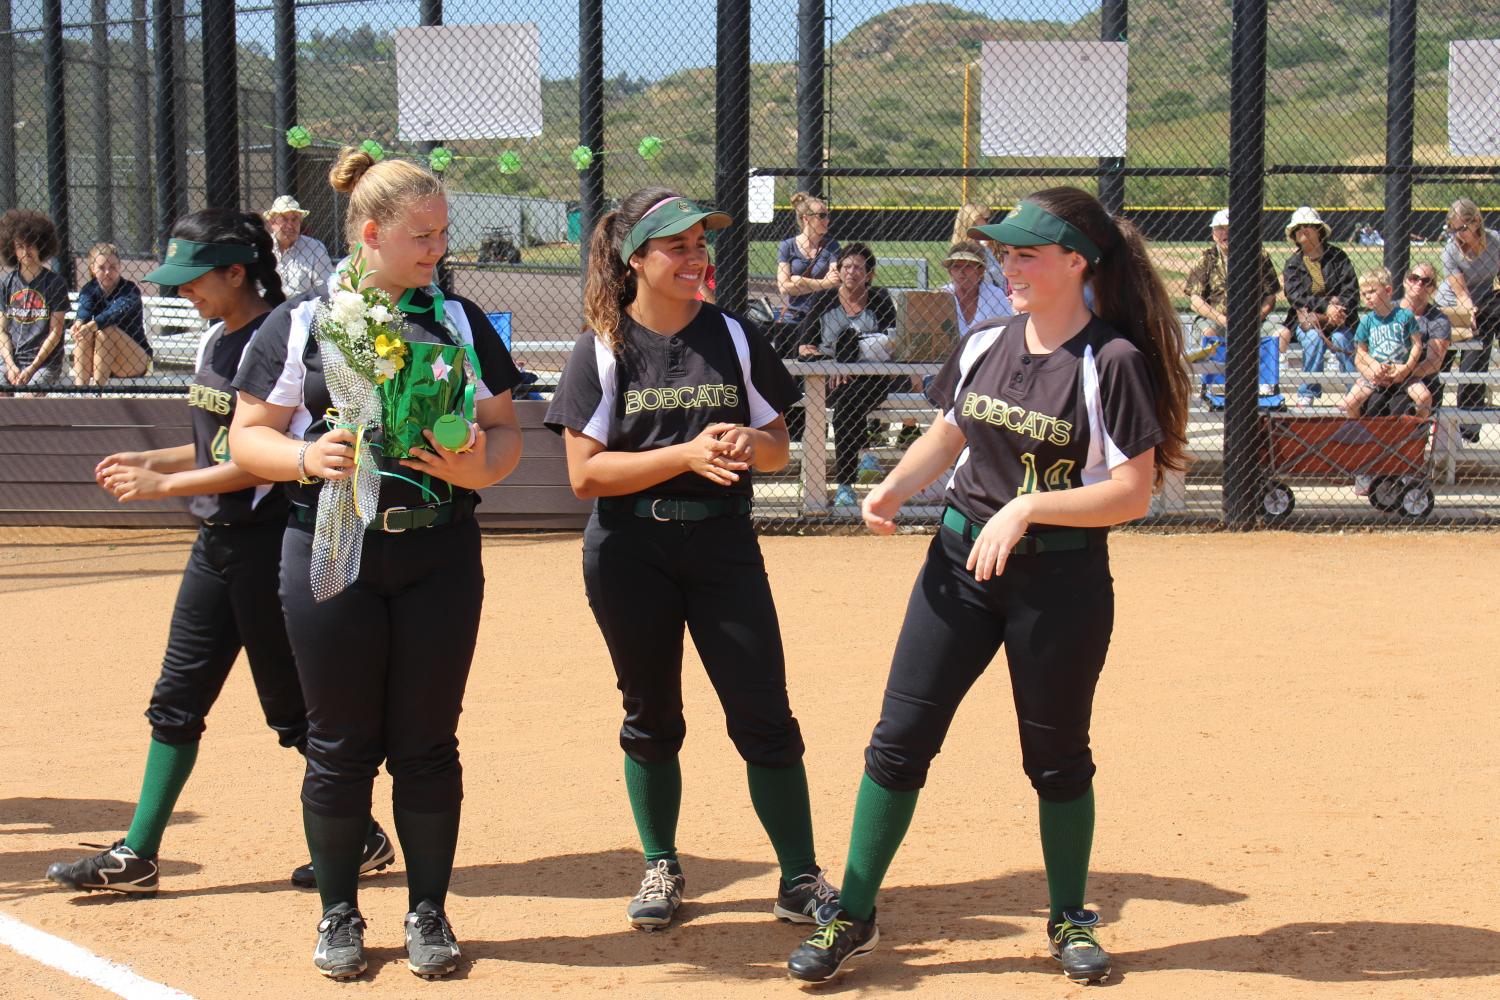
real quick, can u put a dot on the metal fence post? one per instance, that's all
(140, 76)
(221, 115)
(432, 16)
(1113, 27)
(1247, 156)
(169, 190)
(1400, 113)
(286, 97)
(53, 73)
(732, 151)
(104, 173)
(590, 120)
(811, 17)
(7, 108)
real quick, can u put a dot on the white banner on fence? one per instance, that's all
(469, 81)
(1053, 98)
(1474, 97)
(762, 206)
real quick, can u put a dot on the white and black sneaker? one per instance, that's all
(1075, 944)
(798, 901)
(431, 949)
(340, 953)
(659, 896)
(117, 868)
(379, 854)
(839, 939)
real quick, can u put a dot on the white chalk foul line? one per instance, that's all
(80, 963)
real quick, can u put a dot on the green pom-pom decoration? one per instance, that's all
(372, 148)
(440, 159)
(649, 148)
(582, 157)
(298, 137)
(509, 161)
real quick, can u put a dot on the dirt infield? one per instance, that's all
(1297, 786)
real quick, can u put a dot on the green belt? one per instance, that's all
(394, 520)
(1059, 540)
(668, 509)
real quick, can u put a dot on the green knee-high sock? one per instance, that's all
(1067, 838)
(779, 795)
(428, 841)
(167, 768)
(655, 791)
(336, 844)
(881, 818)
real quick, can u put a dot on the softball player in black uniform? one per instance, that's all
(667, 405)
(384, 661)
(227, 601)
(1060, 422)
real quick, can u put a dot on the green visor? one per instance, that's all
(1031, 225)
(669, 217)
(187, 260)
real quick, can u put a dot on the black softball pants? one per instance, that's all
(1486, 320)
(227, 601)
(645, 580)
(384, 665)
(852, 402)
(1052, 612)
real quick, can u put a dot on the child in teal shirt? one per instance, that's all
(1387, 347)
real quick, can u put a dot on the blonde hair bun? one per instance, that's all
(349, 168)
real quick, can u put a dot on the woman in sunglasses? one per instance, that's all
(1471, 260)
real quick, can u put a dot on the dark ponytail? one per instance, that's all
(1129, 295)
(225, 225)
(610, 284)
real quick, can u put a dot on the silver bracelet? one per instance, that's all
(302, 476)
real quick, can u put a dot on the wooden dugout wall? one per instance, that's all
(49, 447)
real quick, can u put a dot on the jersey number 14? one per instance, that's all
(1055, 478)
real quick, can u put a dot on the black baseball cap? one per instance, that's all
(187, 260)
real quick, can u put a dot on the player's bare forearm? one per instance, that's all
(258, 440)
(224, 477)
(1124, 496)
(170, 460)
(773, 446)
(620, 473)
(929, 456)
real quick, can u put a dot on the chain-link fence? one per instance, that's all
(896, 119)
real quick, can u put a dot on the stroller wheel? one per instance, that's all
(1277, 502)
(1386, 492)
(1417, 501)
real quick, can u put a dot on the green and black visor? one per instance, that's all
(1031, 225)
(187, 260)
(669, 217)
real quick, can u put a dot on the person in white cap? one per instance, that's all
(1207, 285)
(301, 261)
(1323, 292)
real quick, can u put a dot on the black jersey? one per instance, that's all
(283, 366)
(659, 391)
(1043, 421)
(212, 398)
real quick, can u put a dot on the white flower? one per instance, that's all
(385, 367)
(379, 314)
(356, 327)
(346, 306)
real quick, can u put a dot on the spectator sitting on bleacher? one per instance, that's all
(1387, 349)
(109, 331)
(1207, 286)
(301, 261)
(850, 323)
(33, 300)
(1471, 262)
(975, 299)
(1321, 286)
(1435, 329)
(972, 215)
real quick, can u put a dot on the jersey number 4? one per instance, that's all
(220, 448)
(1055, 478)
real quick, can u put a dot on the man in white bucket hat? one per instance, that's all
(301, 260)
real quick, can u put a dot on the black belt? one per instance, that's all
(669, 509)
(394, 520)
(1057, 540)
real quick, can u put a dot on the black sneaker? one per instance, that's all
(659, 896)
(116, 868)
(1073, 943)
(340, 953)
(838, 939)
(379, 854)
(798, 901)
(431, 949)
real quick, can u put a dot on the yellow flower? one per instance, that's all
(391, 347)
